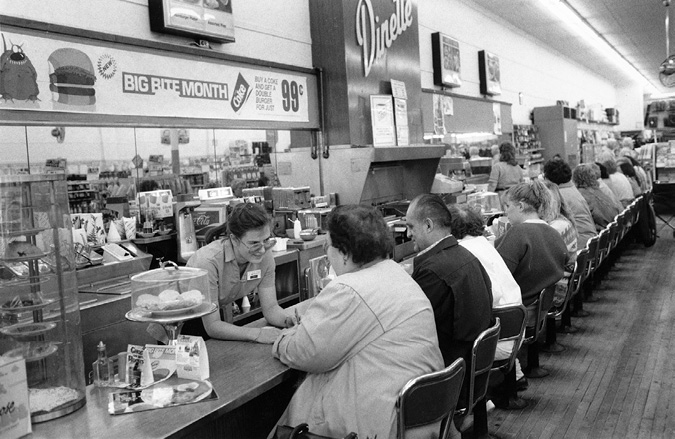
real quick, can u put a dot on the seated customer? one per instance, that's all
(559, 172)
(618, 183)
(602, 207)
(602, 177)
(561, 219)
(467, 226)
(628, 170)
(367, 333)
(453, 279)
(534, 251)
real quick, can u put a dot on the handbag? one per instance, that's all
(301, 431)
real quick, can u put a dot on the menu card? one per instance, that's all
(173, 392)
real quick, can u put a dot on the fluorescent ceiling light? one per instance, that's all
(572, 19)
(662, 95)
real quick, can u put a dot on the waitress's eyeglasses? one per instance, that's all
(256, 247)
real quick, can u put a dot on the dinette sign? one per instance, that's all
(375, 40)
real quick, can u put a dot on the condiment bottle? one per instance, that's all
(102, 367)
(297, 228)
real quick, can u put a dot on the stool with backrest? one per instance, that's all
(603, 247)
(615, 231)
(587, 287)
(574, 286)
(543, 304)
(628, 221)
(426, 404)
(560, 305)
(512, 321)
(482, 357)
(577, 301)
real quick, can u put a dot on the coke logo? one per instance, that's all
(202, 220)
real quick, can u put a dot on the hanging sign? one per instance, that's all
(48, 74)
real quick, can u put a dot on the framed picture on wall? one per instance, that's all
(446, 60)
(490, 75)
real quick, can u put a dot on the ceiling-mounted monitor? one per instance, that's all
(210, 20)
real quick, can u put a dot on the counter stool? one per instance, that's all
(578, 308)
(482, 357)
(575, 282)
(430, 399)
(559, 309)
(533, 370)
(512, 320)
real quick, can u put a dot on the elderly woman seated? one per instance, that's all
(618, 183)
(603, 208)
(468, 227)
(367, 333)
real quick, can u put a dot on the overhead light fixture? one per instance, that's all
(662, 95)
(571, 17)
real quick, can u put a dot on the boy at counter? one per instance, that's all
(238, 265)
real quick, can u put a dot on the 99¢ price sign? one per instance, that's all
(280, 95)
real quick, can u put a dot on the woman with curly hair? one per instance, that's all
(602, 207)
(368, 332)
(559, 172)
(506, 173)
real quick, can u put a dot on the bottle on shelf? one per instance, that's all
(102, 367)
(297, 228)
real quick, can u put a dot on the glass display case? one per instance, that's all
(39, 309)
(169, 296)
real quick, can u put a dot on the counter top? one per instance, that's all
(240, 371)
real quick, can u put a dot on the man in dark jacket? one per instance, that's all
(453, 279)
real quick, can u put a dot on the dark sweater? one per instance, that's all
(535, 253)
(460, 293)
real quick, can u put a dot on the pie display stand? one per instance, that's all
(172, 323)
(39, 308)
(169, 296)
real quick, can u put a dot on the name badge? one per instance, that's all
(253, 275)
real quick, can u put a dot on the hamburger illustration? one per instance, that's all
(72, 77)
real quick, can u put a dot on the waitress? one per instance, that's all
(506, 172)
(238, 265)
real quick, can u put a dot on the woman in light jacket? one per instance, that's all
(506, 172)
(367, 333)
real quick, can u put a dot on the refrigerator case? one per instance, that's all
(39, 308)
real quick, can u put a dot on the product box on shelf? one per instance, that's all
(157, 204)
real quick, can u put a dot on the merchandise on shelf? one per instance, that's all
(528, 147)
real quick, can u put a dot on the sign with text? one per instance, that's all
(382, 119)
(14, 406)
(81, 78)
(401, 118)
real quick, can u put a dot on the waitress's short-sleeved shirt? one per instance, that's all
(225, 282)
